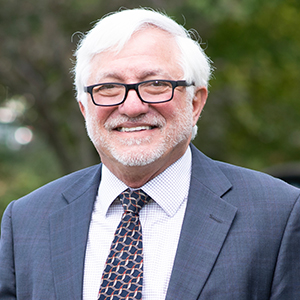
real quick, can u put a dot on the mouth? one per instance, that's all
(135, 129)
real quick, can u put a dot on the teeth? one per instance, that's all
(132, 129)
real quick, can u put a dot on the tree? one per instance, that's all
(252, 116)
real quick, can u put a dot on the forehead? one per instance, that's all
(149, 52)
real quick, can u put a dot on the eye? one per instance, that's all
(159, 83)
(154, 88)
(104, 87)
(108, 89)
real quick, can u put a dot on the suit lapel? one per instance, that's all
(206, 224)
(68, 234)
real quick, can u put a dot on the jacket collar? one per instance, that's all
(207, 221)
(69, 232)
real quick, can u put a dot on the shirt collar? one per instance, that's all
(169, 189)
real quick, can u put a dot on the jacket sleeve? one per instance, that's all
(286, 282)
(7, 268)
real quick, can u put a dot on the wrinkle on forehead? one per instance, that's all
(141, 75)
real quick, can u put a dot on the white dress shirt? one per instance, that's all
(161, 221)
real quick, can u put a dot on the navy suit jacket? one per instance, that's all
(240, 238)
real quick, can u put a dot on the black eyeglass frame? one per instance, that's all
(135, 86)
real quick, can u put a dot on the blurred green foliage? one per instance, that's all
(254, 97)
(23, 171)
(252, 117)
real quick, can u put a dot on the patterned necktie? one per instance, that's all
(123, 274)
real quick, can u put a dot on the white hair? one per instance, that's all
(115, 29)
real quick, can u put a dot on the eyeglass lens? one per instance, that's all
(150, 91)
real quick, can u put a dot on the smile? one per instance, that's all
(134, 129)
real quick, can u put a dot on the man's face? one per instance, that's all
(135, 133)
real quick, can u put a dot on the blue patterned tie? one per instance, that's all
(123, 274)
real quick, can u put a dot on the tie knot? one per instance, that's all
(133, 201)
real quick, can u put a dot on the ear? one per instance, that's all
(82, 108)
(198, 103)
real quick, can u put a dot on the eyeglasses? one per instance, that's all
(150, 91)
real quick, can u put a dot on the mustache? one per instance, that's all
(153, 121)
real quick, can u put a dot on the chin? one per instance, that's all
(137, 158)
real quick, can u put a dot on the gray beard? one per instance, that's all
(177, 133)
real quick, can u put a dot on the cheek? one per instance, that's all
(179, 110)
(99, 114)
(166, 110)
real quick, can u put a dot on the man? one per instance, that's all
(210, 230)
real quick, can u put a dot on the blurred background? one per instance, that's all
(252, 117)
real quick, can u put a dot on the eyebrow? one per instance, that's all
(142, 76)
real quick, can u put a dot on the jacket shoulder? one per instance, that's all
(51, 193)
(245, 183)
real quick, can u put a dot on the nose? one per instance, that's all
(133, 106)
